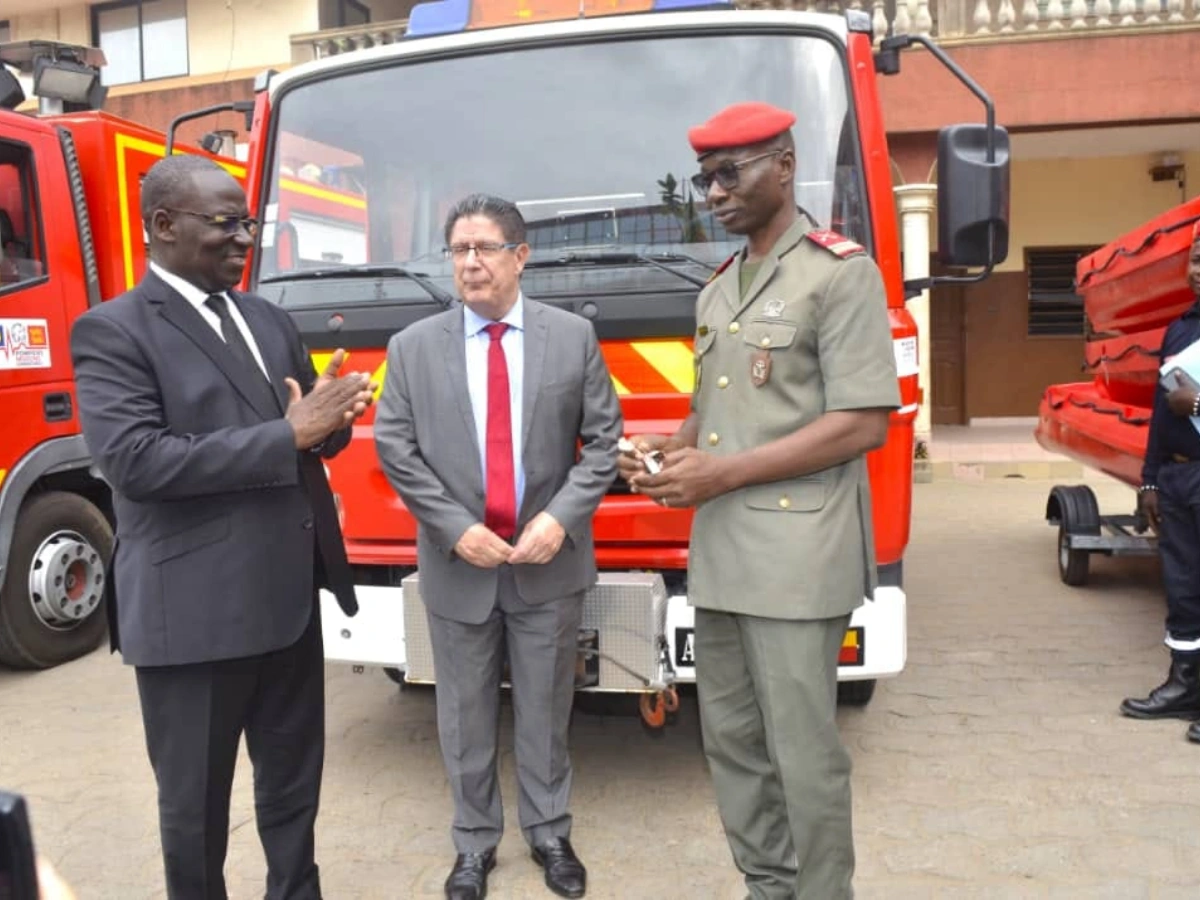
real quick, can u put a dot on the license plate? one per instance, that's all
(853, 652)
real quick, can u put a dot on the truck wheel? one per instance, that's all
(855, 693)
(52, 599)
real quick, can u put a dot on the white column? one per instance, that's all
(916, 203)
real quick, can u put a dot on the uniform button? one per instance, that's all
(734, 327)
(723, 382)
(766, 342)
(714, 439)
(784, 503)
(307, 524)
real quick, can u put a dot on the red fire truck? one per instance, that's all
(70, 237)
(583, 123)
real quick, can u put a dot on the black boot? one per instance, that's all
(1176, 698)
(1193, 733)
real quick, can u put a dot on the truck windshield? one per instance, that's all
(590, 141)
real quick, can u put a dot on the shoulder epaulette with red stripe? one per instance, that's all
(837, 244)
(722, 267)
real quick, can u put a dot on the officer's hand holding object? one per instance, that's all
(1182, 398)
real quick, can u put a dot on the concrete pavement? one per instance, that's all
(996, 766)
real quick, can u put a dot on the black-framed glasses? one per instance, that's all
(481, 248)
(727, 173)
(227, 223)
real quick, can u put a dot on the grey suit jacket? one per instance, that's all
(218, 515)
(427, 445)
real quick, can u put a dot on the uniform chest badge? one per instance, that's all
(773, 309)
(760, 367)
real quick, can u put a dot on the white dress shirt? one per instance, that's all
(197, 298)
(513, 344)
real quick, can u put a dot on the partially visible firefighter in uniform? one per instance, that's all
(1169, 498)
(795, 380)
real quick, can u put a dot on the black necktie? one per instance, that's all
(240, 349)
(232, 334)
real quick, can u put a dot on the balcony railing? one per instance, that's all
(957, 21)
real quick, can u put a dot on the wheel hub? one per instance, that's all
(66, 580)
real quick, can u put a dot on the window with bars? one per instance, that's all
(1055, 309)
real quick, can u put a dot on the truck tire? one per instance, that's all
(52, 599)
(855, 693)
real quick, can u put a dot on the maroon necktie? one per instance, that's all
(500, 514)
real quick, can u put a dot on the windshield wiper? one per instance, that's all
(369, 270)
(621, 257)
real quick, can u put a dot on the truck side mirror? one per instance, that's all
(972, 196)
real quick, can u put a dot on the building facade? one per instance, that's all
(1098, 96)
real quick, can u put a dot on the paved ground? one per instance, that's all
(995, 767)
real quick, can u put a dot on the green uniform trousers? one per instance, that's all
(768, 697)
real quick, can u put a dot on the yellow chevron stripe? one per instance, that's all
(3, 472)
(378, 379)
(321, 360)
(673, 360)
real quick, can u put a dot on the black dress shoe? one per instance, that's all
(468, 878)
(1193, 733)
(1176, 698)
(565, 874)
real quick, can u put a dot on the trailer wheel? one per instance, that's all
(1072, 562)
(1075, 510)
(52, 599)
(855, 693)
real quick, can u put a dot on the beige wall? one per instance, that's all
(223, 35)
(245, 34)
(72, 24)
(1068, 202)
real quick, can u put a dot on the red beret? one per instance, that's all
(739, 125)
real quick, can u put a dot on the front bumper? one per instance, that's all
(642, 637)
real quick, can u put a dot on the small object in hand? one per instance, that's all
(652, 462)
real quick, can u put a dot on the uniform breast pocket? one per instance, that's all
(805, 494)
(770, 334)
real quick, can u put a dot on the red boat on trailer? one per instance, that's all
(1132, 289)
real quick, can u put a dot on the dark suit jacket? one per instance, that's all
(220, 520)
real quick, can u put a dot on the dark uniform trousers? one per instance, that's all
(1179, 549)
(194, 716)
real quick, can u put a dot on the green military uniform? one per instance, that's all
(776, 569)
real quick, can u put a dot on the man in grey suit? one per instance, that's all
(202, 410)
(498, 427)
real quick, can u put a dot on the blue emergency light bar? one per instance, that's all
(451, 16)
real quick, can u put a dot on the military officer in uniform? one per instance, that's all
(795, 381)
(1170, 499)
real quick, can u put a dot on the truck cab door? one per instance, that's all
(35, 367)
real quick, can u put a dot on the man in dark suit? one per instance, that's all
(201, 409)
(498, 427)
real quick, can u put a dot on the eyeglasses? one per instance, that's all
(227, 223)
(482, 248)
(727, 173)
